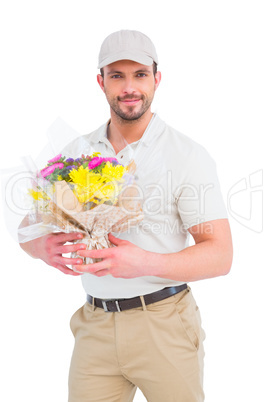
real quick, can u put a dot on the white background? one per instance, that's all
(213, 59)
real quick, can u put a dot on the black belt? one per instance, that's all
(112, 305)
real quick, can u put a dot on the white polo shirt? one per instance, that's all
(178, 182)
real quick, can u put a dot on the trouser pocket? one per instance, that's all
(190, 319)
(75, 320)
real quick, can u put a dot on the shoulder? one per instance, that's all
(184, 148)
(84, 144)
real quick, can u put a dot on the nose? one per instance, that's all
(129, 86)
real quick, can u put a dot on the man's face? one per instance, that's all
(129, 88)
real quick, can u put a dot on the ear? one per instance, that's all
(100, 81)
(157, 79)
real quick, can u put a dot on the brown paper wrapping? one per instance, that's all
(67, 213)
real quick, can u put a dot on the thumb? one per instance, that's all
(114, 239)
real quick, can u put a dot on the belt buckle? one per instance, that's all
(105, 307)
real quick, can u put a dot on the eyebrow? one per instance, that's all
(114, 72)
(135, 72)
(143, 70)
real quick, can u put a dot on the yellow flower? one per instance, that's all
(38, 195)
(80, 176)
(113, 172)
(35, 194)
(95, 154)
(98, 187)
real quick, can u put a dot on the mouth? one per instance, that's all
(130, 102)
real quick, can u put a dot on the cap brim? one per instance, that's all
(127, 55)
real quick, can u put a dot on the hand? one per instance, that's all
(50, 248)
(126, 260)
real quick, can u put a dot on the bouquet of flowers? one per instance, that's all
(91, 194)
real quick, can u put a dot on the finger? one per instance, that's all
(67, 237)
(114, 239)
(66, 270)
(102, 253)
(93, 268)
(67, 261)
(70, 248)
(102, 272)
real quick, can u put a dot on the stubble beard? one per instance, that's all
(131, 115)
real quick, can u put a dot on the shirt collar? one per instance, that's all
(155, 127)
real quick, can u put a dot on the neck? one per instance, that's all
(122, 132)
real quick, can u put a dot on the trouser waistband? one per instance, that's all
(117, 305)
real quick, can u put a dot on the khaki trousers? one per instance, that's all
(157, 348)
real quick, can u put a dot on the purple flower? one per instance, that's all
(69, 160)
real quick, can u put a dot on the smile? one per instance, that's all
(130, 102)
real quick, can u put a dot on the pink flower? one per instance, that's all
(95, 162)
(111, 160)
(47, 171)
(98, 161)
(55, 159)
(50, 169)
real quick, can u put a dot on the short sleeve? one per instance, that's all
(198, 197)
(77, 147)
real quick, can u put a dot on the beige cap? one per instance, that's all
(127, 45)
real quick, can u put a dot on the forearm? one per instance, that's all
(50, 249)
(204, 260)
(211, 256)
(30, 248)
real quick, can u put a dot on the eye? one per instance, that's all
(116, 76)
(141, 75)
